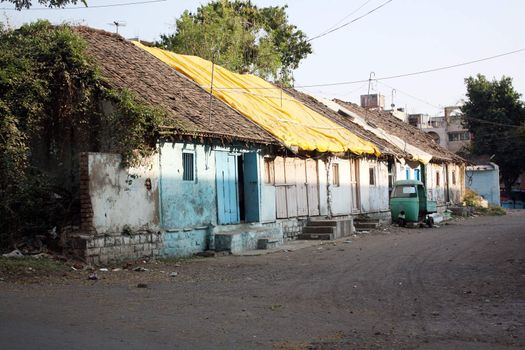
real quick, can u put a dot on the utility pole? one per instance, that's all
(215, 52)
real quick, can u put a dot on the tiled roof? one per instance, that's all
(346, 121)
(405, 131)
(186, 105)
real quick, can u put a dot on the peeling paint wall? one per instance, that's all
(341, 193)
(187, 204)
(436, 182)
(456, 183)
(374, 197)
(323, 189)
(123, 197)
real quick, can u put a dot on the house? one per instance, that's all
(240, 161)
(200, 178)
(444, 174)
(482, 176)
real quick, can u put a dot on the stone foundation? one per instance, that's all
(100, 250)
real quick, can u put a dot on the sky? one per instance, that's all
(401, 37)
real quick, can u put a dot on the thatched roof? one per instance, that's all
(187, 106)
(405, 131)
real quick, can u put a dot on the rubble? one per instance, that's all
(14, 254)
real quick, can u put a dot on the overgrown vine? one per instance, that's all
(52, 101)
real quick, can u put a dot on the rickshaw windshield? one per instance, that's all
(404, 191)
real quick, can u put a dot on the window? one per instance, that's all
(437, 178)
(335, 174)
(417, 174)
(188, 166)
(404, 191)
(459, 136)
(269, 171)
(453, 177)
(372, 176)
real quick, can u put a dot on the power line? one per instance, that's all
(412, 96)
(345, 17)
(85, 7)
(417, 72)
(352, 21)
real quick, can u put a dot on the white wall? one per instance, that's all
(267, 201)
(373, 197)
(323, 189)
(119, 196)
(436, 192)
(457, 189)
(341, 195)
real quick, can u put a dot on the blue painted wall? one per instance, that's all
(184, 243)
(187, 204)
(484, 182)
(190, 209)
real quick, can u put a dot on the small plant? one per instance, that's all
(480, 205)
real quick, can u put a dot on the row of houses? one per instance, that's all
(240, 161)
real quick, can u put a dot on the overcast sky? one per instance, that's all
(404, 36)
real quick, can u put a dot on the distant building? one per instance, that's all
(446, 130)
(375, 102)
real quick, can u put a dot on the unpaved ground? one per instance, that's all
(460, 286)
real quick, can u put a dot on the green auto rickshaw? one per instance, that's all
(409, 204)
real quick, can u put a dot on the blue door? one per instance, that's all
(251, 186)
(227, 190)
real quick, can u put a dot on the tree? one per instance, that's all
(241, 37)
(51, 108)
(495, 115)
(21, 4)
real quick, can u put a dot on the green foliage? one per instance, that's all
(21, 4)
(495, 115)
(18, 268)
(136, 123)
(241, 37)
(54, 104)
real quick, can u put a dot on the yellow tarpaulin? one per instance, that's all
(294, 124)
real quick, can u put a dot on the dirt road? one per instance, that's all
(460, 286)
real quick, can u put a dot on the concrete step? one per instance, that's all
(316, 236)
(332, 223)
(319, 229)
(267, 243)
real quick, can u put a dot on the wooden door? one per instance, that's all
(227, 190)
(280, 189)
(354, 185)
(312, 187)
(251, 187)
(291, 186)
(302, 193)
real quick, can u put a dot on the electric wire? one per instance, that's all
(431, 70)
(412, 96)
(348, 23)
(345, 17)
(84, 7)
